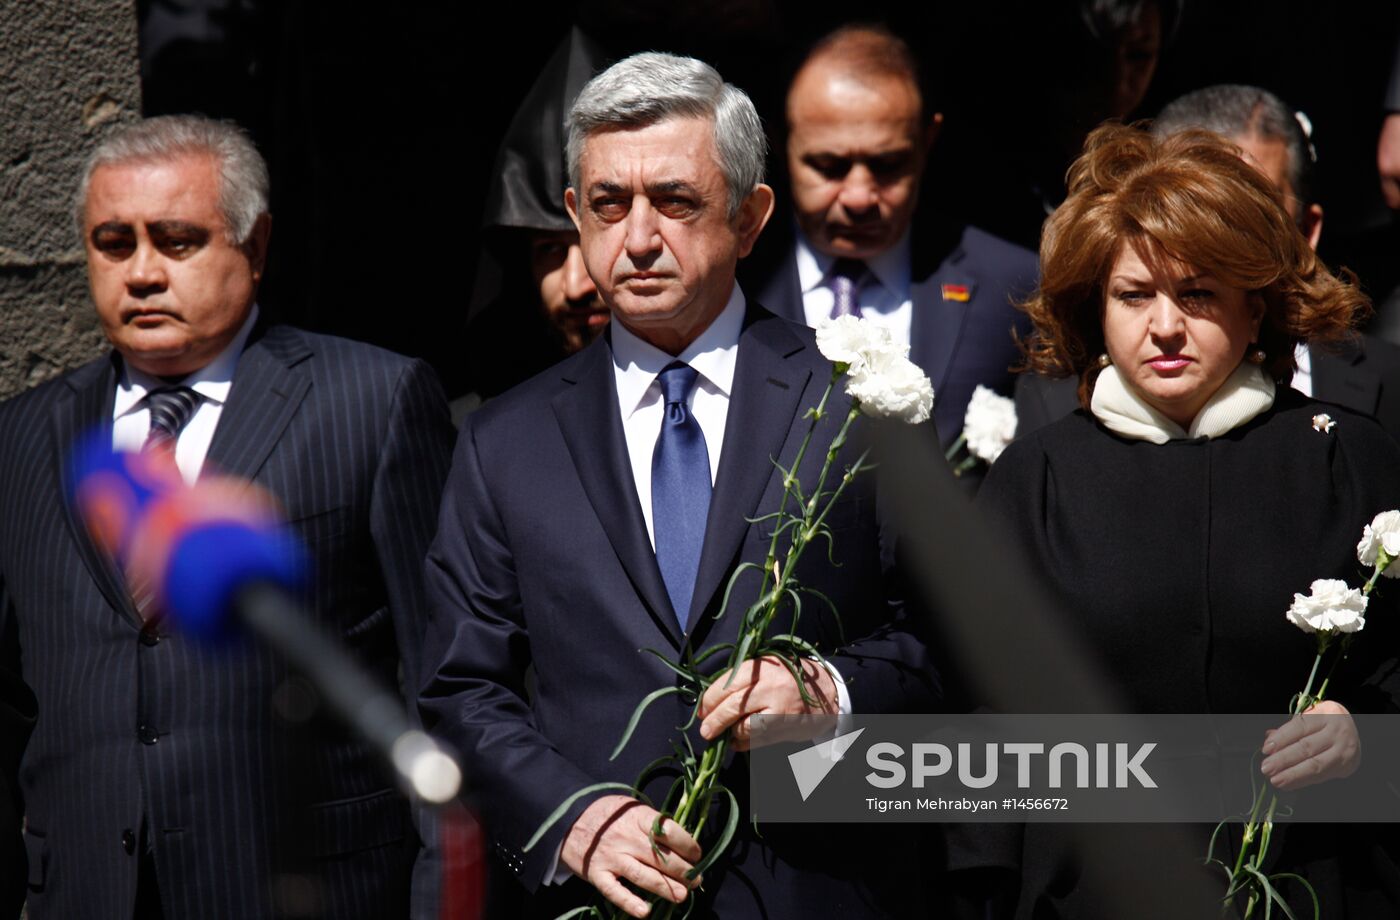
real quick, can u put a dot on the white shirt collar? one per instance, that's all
(211, 381)
(712, 354)
(890, 268)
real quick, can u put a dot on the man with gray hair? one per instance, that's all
(1362, 375)
(600, 508)
(160, 780)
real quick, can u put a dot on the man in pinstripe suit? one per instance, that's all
(159, 779)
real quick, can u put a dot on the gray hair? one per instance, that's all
(243, 182)
(1232, 110)
(652, 87)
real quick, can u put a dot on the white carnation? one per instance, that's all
(850, 341)
(886, 384)
(1331, 607)
(989, 424)
(1382, 533)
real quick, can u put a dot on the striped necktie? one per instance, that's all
(844, 281)
(171, 409)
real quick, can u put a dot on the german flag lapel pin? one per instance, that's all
(962, 293)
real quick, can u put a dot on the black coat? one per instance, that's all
(1362, 374)
(1177, 562)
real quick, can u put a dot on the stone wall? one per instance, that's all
(68, 73)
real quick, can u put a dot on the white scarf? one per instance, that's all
(1244, 394)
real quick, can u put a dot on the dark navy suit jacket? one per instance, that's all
(354, 442)
(542, 564)
(958, 343)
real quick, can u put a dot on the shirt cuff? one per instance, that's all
(557, 873)
(843, 709)
(843, 696)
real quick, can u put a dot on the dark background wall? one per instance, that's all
(381, 122)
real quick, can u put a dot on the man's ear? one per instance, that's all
(255, 246)
(571, 205)
(753, 217)
(1312, 224)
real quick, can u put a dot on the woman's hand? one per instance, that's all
(1312, 747)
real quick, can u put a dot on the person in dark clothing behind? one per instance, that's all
(534, 303)
(1360, 373)
(1002, 165)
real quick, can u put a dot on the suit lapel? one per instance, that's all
(937, 323)
(592, 428)
(88, 413)
(763, 403)
(268, 386)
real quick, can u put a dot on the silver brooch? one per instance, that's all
(1323, 422)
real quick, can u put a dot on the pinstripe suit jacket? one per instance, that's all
(355, 442)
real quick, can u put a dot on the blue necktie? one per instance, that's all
(680, 489)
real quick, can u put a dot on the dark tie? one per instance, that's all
(680, 489)
(845, 285)
(171, 409)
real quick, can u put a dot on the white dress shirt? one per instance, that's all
(1302, 377)
(636, 365)
(883, 295)
(131, 418)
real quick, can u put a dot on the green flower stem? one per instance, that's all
(1258, 861)
(953, 448)
(966, 464)
(1250, 829)
(811, 521)
(694, 806)
(1383, 561)
(790, 482)
(710, 762)
(1261, 831)
(1254, 844)
(1371, 582)
(1304, 697)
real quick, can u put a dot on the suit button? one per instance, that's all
(148, 635)
(128, 841)
(146, 734)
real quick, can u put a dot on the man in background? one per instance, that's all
(858, 135)
(160, 780)
(533, 303)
